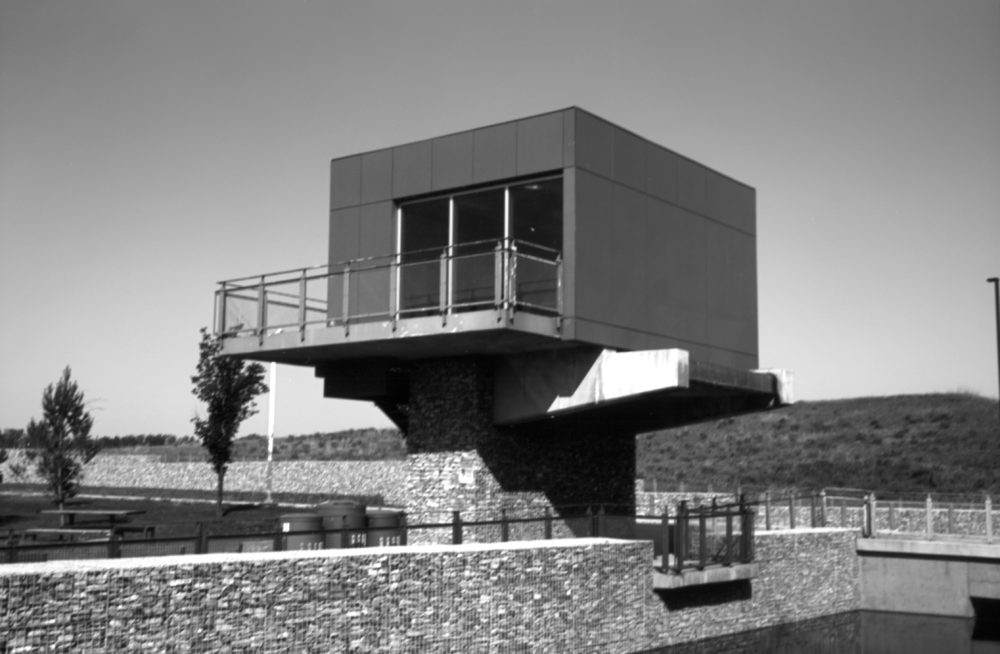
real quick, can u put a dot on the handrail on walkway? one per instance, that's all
(504, 274)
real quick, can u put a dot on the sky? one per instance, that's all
(151, 149)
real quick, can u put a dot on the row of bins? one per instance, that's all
(341, 523)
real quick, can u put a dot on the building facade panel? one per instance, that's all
(592, 285)
(411, 169)
(495, 153)
(730, 202)
(691, 186)
(540, 144)
(452, 161)
(675, 282)
(345, 182)
(628, 272)
(376, 176)
(629, 159)
(594, 144)
(661, 172)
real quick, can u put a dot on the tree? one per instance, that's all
(60, 444)
(228, 386)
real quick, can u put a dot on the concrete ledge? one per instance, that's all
(738, 572)
(928, 548)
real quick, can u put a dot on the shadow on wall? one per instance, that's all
(708, 595)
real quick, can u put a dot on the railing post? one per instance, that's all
(843, 512)
(870, 521)
(892, 517)
(791, 511)
(767, 510)
(220, 310)
(402, 529)
(261, 310)
(345, 301)
(812, 510)
(930, 517)
(456, 528)
(951, 518)
(989, 519)
(559, 288)
(302, 306)
(394, 290)
(498, 299)
(512, 276)
(444, 288)
(504, 526)
(548, 524)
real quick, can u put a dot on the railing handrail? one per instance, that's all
(514, 244)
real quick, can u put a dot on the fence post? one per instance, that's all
(548, 524)
(951, 518)
(665, 538)
(114, 544)
(867, 520)
(402, 528)
(989, 519)
(930, 518)
(345, 302)
(892, 517)
(843, 513)
(791, 511)
(456, 528)
(680, 534)
(822, 507)
(812, 510)
(702, 540)
(728, 558)
(201, 539)
(767, 510)
(504, 526)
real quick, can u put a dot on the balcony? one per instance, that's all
(491, 296)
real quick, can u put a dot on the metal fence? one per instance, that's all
(591, 521)
(503, 274)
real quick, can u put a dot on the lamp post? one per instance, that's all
(996, 301)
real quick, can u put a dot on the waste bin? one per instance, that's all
(384, 527)
(343, 515)
(309, 523)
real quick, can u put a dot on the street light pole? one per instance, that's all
(996, 301)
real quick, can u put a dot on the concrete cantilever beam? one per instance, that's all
(591, 381)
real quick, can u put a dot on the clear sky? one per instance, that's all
(150, 149)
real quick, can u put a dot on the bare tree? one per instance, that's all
(228, 386)
(60, 444)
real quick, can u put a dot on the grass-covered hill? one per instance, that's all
(940, 442)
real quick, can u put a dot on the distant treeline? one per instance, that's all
(350, 444)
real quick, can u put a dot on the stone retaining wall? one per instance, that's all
(581, 595)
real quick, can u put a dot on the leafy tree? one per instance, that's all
(60, 444)
(228, 386)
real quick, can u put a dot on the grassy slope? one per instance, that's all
(941, 442)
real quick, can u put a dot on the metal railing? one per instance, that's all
(571, 522)
(714, 534)
(503, 275)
